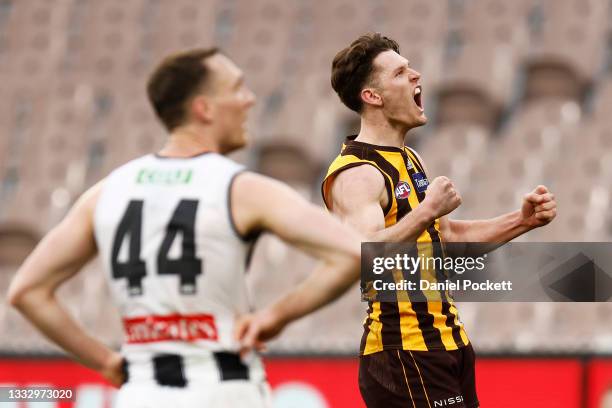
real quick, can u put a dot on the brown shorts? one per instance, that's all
(419, 379)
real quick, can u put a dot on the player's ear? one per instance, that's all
(201, 109)
(371, 97)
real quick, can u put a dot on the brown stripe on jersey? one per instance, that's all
(437, 252)
(450, 322)
(431, 335)
(389, 311)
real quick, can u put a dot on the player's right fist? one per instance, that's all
(441, 196)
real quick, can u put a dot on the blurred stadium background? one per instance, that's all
(518, 93)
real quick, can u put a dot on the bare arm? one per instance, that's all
(260, 203)
(57, 258)
(538, 209)
(358, 196)
(499, 230)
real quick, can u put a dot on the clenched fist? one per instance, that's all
(442, 197)
(539, 207)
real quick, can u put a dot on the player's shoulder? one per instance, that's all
(362, 179)
(361, 174)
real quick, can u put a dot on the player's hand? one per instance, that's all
(113, 370)
(442, 197)
(252, 330)
(539, 207)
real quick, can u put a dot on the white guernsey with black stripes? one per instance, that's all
(176, 267)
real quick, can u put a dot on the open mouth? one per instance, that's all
(418, 97)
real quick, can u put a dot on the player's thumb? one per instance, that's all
(240, 328)
(533, 197)
(540, 189)
(249, 339)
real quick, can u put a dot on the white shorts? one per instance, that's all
(201, 381)
(226, 394)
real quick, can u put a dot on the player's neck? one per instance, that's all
(381, 133)
(188, 142)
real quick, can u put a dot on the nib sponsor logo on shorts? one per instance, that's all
(448, 401)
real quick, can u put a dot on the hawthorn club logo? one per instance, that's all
(402, 190)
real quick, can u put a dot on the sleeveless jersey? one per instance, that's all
(414, 322)
(174, 261)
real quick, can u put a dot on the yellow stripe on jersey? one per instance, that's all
(373, 330)
(413, 322)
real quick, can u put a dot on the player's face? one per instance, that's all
(230, 101)
(400, 89)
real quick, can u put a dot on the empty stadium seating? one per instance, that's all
(518, 94)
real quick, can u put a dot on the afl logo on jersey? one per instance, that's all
(402, 190)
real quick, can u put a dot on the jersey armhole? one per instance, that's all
(252, 235)
(330, 178)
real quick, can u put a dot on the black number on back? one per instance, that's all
(188, 267)
(134, 269)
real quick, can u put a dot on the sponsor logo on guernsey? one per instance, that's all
(402, 190)
(175, 327)
(420, 182)
(166, 177)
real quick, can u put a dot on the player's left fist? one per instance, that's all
(539, 207)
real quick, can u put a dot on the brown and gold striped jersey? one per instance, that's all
(414, 322)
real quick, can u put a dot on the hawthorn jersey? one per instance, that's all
(174, 261)
(410, 323)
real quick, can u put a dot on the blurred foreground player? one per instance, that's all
(413, 353)
(174, 230)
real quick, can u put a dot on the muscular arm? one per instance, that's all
(538, 209)
(358, 195)
(498, 230)
(482, 236)
(57, 258)
(260, 203)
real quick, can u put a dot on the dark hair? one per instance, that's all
(352, 67)
(176, 79)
